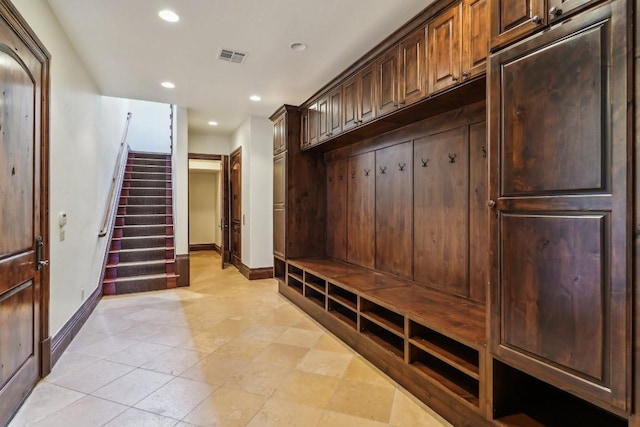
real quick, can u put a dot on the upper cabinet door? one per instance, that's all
(350, 94)
(312, 124)
(335, 112)
(412, 78)
(445, 49)
(279, 137)
(304, 127)
(367, 94)
(475, 37)
(559, 8)
(323, 118)
(387, 82)
(514, 19)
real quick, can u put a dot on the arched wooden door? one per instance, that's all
(23, 211)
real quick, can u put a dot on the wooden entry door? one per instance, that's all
(23, 207)
(224, 213)
(236, 207)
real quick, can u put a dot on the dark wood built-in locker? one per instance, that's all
(394, 198)
(560, 231)
(337, 209)
(361, 210)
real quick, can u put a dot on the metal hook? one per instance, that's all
(425, 163)
(367, 172)
(484, 153)
(383, 169)
(401, 166)
(452, 158)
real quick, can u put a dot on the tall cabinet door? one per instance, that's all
(394, 215)
(279, 203)
(387, 82)
(412, 76)
(559, 187)
(361, 210)
(445, 49)
(337, 209)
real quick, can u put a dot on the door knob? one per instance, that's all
(554, 11)
(492, 203)
(536, 19)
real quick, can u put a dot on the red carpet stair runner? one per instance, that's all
(141, 255)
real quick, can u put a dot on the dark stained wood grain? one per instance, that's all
(512, 19)
(412, 76)
(313, 124)
(337, 178)
(235, 191)
(370, 281)
(279, 139)
(335, 111)
(350, 95)
(475, 37)
(279, 204)
(361, 210)
(387, 82)
(324, 118)
(394, 216)
(445, 49)
(327, 268)
(441, 211)
(478, 212)
(367, 94)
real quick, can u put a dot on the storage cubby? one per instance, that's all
(382, 336)
(344, 297)
(317, 297)
(452, 379)
(294, 283)
(316, 282)
(452, 352)
(343, 313)
(521, 400)
(279, 269)
(382, 316)
(296, 272)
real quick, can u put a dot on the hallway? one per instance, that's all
(223, 352)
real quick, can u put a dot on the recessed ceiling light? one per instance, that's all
(168, 15)
(213, 123)
(168, 85)
(255, 98)
(297, 47)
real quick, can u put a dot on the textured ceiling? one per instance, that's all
(130, 51)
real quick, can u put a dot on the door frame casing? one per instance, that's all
(235, 153)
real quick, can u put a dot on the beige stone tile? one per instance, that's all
(174, 361)
(133, 387)
(205, 343)
(282, 354)
(241, 348)
(299, 337)
(360, 370)
(106, 347)
(171, 336)
(261, 332)
(109, 325)
(142, 331)
(94, 376)
(365, 400)
(139, 354)
(88, 411)
(176, 398)
(307, 323)
(226, 407)
(325, 363)
(43, 401)
(308, 389)
(282, 413)
(214, 369)
(133, 417)
(406, 411)
(85, 338)
(330, 343)
(258, 377)
(336, 419)
(69, 363)
(145, 315)
(232, 326)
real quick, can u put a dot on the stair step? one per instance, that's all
(142, 230)
(144, 209)
(147, 191)
(139, 242)
(150, 176)
(152, 219)
(149, 162)
(146, 200)
(141, 254)
(153, 156)
(134, 183)
(135, 167)
(140, 268)
(126, 285)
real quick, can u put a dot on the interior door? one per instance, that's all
(224, 212)
(23, 282)
(236, 207)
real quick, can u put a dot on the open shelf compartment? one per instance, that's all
(384, 317)
(294, 283)
(318, 283)
(343, 313)
(295, 272)
(317, 297)
(344, 297)
(381, 336)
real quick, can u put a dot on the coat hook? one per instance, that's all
(367, 172)
(484, 153)
(383, 169)
(425, 163)
(340, 177)
(401, 166)
(452, 158)
(353, 174)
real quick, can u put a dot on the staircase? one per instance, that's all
(141, 255)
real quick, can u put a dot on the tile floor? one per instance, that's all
(223, 352)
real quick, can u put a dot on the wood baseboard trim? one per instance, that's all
(182, 269)
(204, 247)
(45, 352)
(256, 273)
(62, 339)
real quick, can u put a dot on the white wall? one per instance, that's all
(150, 127)
(181, 180)
(204, 201)
(209, 144)
(85, 129)
(255, 136)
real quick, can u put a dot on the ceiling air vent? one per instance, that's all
(232, 56)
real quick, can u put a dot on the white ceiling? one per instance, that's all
(130, 51)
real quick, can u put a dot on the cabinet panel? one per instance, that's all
(279, 237)
(478, 212)
(548, 143)
(350, 94)
(367, 95)
(279, 180)
(412, 78)
(445, 49)
(475, 37)
(279, 137)
(313, 123)
(553, 289)
(513, 19)
(337, 209)
(361, 211)
(335, 112)
(394, 213)
(441, 211)
(324, 119)
(387, 82)
(558, 8)
(304, 127)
